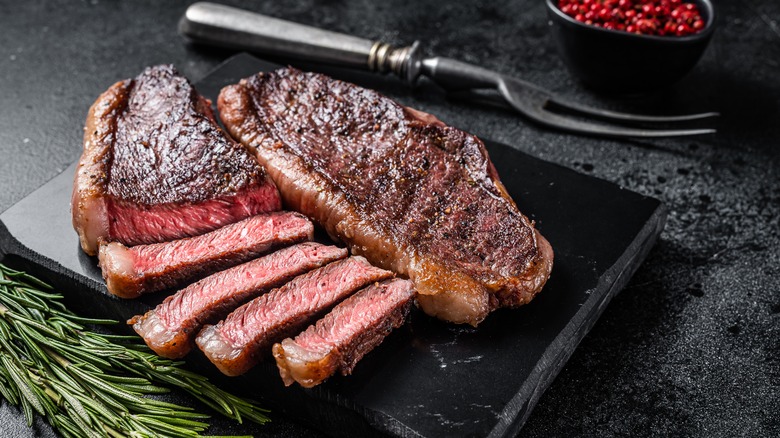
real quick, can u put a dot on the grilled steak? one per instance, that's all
(170, 328)
(236, 344)
(339, 340)
(130, 272)
(397, 185)
(157, 167)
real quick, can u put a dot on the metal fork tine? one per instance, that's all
(557, 121)
(540, 114)
(614, 115)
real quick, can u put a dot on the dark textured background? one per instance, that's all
(691, 347)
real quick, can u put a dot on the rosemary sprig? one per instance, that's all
(89, 384)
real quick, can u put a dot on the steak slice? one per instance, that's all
(156, 166)
(236, 344)
(397, 185)
(130, 272)
(339, 340)
(170, 328)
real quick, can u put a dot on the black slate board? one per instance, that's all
(428, 378)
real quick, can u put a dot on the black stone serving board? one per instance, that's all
(428, 378)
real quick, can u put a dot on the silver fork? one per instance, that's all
(470, 82)
(235, 28)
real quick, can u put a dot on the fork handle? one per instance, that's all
(453, 75)
(226, 26)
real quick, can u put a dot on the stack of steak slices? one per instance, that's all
(130, 272)
(170, 328)
(168, 201)
(238, 343)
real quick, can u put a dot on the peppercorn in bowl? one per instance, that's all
(630, 46)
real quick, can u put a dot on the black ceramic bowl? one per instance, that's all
(622, 62)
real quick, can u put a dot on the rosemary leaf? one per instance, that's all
(33, 302)
(44, 396)
(19, 319)
(111, 403)
(84, 427)
(30, 338)
(6, 392)
(65, 379)
(154, 423)
(91, 321)
(23, 276)
(119, 338)
(23, 386)
(126, 380)
(104, 415)
(145, 389)
(182, 422)
(74, 403)
(65, 323)
(66, 426)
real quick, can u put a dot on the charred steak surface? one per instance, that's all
(397, 185)
(156, 166)
(166, 137)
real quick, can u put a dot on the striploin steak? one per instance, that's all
(339, 340)
(156, 166)
(130, 272)
(397, 185)
(170, 328)
(236, 344)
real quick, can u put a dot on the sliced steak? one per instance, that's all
(397, 185)
(339, 340)
(170, 328)
(130, 272)
(156, 166)
(236, 344)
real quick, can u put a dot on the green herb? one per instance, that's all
(89, 384)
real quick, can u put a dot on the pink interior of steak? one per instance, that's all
(340, 339)
(227, 289)
(262, 230)
(135, 224)
(170, 328)
(298, 300)
(237, 343)
(130, 272)
(357, 313)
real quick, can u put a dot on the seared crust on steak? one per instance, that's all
(88, 205)
(156, 166)
(397, 185)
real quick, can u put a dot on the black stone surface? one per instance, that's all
(690, 348)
